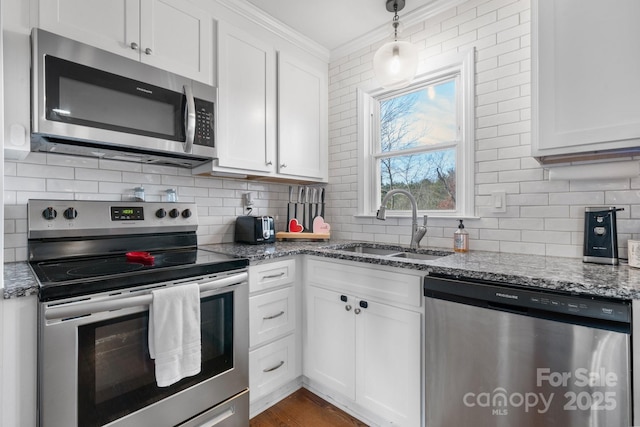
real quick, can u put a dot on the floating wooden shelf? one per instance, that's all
(285, 235)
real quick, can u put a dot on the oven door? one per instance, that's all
(95, 369)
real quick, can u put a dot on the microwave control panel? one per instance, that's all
(205, 123)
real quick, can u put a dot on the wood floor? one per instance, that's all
(304, 409)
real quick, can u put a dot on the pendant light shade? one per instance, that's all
(395, 63)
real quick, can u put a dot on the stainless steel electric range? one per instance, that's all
(97, 263)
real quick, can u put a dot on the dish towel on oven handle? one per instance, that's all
(174, 333)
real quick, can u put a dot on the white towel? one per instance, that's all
(174, 333)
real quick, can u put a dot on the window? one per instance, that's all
(420, 139)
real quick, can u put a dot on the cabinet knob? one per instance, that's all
(356, 311)
(269, 163)
(134, 45)
(148, 51)
(284, 165)
(347, 307)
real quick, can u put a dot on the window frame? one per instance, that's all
(459, 66)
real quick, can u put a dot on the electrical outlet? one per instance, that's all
(247, 200)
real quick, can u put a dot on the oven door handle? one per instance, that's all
(84, 308)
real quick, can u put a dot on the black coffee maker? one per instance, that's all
(601, 235)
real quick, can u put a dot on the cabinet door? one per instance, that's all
(110, 25)
(330, 340)
(388, 355)
(586, 90)
(247, 101)
(302, 119)
(176, 36)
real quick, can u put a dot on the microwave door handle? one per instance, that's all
(190, 119)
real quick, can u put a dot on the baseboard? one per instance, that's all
(274, 397)
(345, 404)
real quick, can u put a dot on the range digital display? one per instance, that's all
(127, 213)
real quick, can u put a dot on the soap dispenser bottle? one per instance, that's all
(461, 239)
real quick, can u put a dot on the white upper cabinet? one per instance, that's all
(246, 115)
(273, 110)
(173, 35)
(586, 85)
(302, 111)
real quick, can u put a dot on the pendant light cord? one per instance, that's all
(396, 20)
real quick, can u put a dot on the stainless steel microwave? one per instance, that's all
(90, 102)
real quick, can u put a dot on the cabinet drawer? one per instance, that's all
(272, 366)
(271, 275)
(366, 282)
(271, 314)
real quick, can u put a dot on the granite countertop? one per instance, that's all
(554, 273)
(19, 280)
(564, 274)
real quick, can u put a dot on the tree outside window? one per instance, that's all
(418, 143)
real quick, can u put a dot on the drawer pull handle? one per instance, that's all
(273, 316)
(273, 276)
(274, 368)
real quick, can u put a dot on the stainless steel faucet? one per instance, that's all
(417, 232)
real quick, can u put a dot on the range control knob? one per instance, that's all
(161, 213)
(174, 213)
(49, 214)
(186, 213)
(70, 213)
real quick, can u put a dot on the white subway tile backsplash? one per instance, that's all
(582, 198)
(554, 237)
(520, 175)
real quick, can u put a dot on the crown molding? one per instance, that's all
(259, 17)
(414, 17)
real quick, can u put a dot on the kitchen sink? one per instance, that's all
(371, 251)
(393, 252)
(413, 255)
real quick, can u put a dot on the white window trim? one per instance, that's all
(437, 67)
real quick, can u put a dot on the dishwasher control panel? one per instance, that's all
(517, 299)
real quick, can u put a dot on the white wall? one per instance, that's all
(543, 217)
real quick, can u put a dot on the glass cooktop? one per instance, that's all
(80, 276)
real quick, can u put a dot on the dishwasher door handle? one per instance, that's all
(506, 307)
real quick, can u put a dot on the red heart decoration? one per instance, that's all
(295, 226)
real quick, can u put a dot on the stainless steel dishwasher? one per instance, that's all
(499, 355)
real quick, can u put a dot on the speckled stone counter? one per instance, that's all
(19, 281)
(563, 274)
(554, 273)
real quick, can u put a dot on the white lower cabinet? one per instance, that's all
(274, 349)
(360, 346)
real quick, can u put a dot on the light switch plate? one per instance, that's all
(498, 202)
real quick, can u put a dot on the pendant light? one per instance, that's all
(396, 62)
